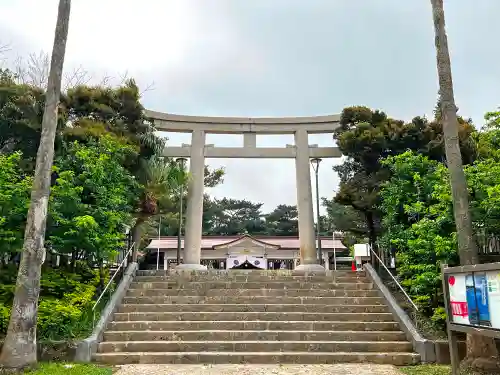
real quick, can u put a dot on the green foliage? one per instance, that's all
(70, 369)
(366, 137)
(346, 219)
(92, 199)
(15, 188)
(418, 218)
(4, 318)
(66, 300)
(283, 221)
(231, 216)
(21, 111)
(426, 370)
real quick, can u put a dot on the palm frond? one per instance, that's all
(153, 142)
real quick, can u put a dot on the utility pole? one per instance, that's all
(315, 164)
(182, 162)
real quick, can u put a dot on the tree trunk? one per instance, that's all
(372, 239)
(136, 237)
(482, 354)
(19, 350)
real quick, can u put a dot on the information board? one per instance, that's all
(475, 298)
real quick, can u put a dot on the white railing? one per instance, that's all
(396, 281)
(124, 261)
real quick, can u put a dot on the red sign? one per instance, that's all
(459, 309)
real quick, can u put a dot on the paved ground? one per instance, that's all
(347, 369)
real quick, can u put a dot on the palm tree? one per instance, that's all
(161, 178)
(20, 347)
(482, 353)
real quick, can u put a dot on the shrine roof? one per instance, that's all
(213, 242)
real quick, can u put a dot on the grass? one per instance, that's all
(70, 369)
(426, 370)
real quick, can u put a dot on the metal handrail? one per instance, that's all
(111, 280)
(396, 281)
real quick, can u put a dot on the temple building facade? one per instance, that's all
(246, 252)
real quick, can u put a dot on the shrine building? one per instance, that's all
(246, 252)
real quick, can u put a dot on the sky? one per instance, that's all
(271, 58)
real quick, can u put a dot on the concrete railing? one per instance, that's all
(88, 347)
(422, 346)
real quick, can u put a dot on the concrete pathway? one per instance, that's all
(340, 369)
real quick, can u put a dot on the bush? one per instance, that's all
(66, 317)
(65, 305)
(4, 318)
(8, 276)
(70, 369)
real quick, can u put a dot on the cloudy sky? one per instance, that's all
(272, 58)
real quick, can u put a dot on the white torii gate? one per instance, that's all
(198, 150)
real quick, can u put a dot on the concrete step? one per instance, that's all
(198, 285)
(252, 292)
(253, 275)
(252, 326)
(203, 307)
(253, 300)
(255, 346)
(398, 359)
(255, 278)
(250, 316)
(254, 336)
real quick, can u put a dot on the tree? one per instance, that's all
(283, 221)
(419, 227)
(20, 347)
(482, 353)
(160, 178)
(366, 137)
(344, 218)
(91, 202)
(229, 217)
(15, 189)
(21, 112)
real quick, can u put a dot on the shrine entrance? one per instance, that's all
(198, 151)
(245, 266)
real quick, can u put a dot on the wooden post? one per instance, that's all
(452, 335)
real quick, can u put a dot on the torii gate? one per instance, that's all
(198, 150)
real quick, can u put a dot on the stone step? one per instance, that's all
(253, 279)
(252, 292)
(233, 272)
(204, 307)
(250, 316)
(254, 300)
(255, 346)
(254, 335)
(252, 326)
(397, 359)
(199, 285)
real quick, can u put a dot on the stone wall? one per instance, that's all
(61, 351)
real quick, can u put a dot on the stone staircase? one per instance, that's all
(221, 317)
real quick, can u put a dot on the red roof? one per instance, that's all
(211, 242)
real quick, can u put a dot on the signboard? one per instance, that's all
(474, 298)
(361, 250)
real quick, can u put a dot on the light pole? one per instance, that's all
(315, 164)
(181, 162)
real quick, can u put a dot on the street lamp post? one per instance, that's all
(315, 164)
(182, 162)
